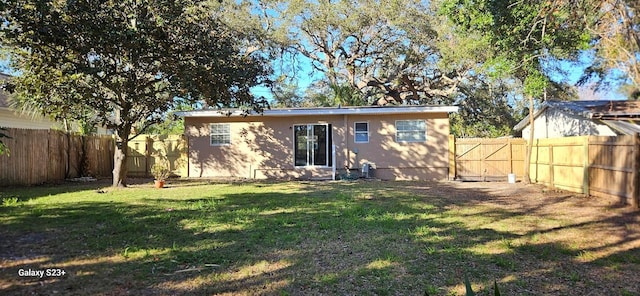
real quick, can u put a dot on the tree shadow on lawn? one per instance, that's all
(26, 193)
(325, 238)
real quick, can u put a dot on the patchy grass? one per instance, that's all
(312, 238)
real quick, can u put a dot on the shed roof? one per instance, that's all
(605, 110)
(623, 127)
(363, 110)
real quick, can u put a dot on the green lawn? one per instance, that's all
(297, 238)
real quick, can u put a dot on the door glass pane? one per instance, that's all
(312, 144)
(301, 150)
(320, 145)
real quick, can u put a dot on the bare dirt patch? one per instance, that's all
(599, 236)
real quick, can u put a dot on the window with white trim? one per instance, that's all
(361, 134)
(220, 134)
(411, 131)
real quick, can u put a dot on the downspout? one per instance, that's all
(346, 151)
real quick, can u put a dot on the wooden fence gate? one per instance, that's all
(476, 159)
(146, 150)
(590, 165)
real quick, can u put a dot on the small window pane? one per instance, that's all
(362, 127)
(361, 134)
(411, 131)
(362, 137)
(220, 134)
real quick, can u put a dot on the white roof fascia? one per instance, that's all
(323, 111)
(525, 121)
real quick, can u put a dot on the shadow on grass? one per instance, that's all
(322, 238)
(26, 193)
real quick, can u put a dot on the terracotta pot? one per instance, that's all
(158, 183)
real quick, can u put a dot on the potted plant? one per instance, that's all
(160, 171)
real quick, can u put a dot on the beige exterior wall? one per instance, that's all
(262, 147)
(9, 118)
(12, 119)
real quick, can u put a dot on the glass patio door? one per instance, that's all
(312, 144)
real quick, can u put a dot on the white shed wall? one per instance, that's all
(556, 124)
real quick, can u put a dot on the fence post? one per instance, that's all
(635, 175)
(452, 157)
(585, 164)
(510, 147)
(148, 142)
(552, 182)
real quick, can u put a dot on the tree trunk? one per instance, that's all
(527, 158)
(120, 162)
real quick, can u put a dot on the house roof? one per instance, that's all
(593, 109)
(366, 110)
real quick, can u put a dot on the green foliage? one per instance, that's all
(160, 171)
(346, 95)
(4, 150)
(171, 124)
(469, 289)
(535, 83)
(523, 33)
(349, 176)
(614, 29)
(487, 109)
(9, 201)
(520, 37)
(384, 51)
(125, 62)
(286, 95)
(467, 286)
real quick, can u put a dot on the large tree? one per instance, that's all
(373, 52)
(615, 26)
(386, 50)
(525, 35)
(127, 61)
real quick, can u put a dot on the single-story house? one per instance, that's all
(395, 143)
(557, 119)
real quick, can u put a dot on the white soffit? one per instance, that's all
(324, 111)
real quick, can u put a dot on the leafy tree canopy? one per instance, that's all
(126, 61)
(615, 27)
(385, 50)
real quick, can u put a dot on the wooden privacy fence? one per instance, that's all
(39, 156)
(590, 165)
(146, 150)
(478, 159)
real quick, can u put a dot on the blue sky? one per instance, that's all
(304, 76)
(569, 72)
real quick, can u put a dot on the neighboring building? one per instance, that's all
(580, 118)
(15, 119)
(399, 143)
(11, 118)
